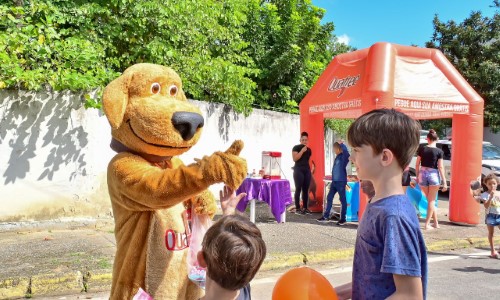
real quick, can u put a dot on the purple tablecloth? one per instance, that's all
(276, 193)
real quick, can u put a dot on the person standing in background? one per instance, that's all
(429, 167)
(339, 181)
(301, 155)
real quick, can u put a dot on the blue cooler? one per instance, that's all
(352, 198)
(419, 201)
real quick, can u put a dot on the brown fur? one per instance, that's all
(149, 187)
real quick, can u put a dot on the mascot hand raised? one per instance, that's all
(225, 166)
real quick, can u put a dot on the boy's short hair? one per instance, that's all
(336, 145)
(386, 129)
(490, 177)
(233, 250)
(304, 134)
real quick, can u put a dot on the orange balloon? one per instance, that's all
(303, 283)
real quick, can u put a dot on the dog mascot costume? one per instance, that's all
(150, 189)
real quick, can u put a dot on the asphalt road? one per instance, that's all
(452, 275)
(469, 274)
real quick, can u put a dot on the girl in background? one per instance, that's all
(429, 167)
(491, 201)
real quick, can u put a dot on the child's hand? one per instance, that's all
(229, 200)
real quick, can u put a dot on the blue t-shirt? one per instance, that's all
(389, 241)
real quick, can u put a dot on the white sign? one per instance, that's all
(355, 103)
(431, 105)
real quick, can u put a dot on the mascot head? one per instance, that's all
(148, 111)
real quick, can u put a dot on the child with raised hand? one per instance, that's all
(232, 251)
(390, 259)
(491, 201)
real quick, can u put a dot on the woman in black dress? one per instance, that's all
(302, 173)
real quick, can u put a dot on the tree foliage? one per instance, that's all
(39, 45)
(291, 48)
(473, 46)
(239, 52)
(439, 125)
(339, 126)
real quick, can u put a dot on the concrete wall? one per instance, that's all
(54, 153)
(53, 156)
(491, 137)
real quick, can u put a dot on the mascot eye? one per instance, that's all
(173, 90)
(155, 88)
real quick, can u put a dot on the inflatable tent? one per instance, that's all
(420, 82)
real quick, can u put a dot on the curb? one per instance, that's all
(289, 260)
(75, 282)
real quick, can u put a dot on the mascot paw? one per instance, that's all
(226, 167)
(235, 148)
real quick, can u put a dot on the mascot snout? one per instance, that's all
(187, 123)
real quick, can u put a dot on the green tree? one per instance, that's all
(473, 47)
(238, 52)
(38, 47)
(290, 47)
(84, 44)
(339, 126)
(439, 125)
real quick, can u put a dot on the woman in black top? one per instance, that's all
(429, 166)
(302, 173)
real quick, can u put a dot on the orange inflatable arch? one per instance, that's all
(422, 83)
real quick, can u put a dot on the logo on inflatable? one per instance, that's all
(342, 84)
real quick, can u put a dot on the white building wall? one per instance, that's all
(54, 153)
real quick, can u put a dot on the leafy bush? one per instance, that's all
(239, 52)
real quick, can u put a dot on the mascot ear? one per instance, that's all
(115, 99)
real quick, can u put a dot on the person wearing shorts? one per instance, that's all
(430, 173)
(491, 201)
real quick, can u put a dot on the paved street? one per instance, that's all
(468, 274)
(452, 275)
(59, 251)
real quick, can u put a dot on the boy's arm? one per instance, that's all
(403, 256)
(344, 291)
(407, 288)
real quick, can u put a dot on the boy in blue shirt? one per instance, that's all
(390, 259)
(339, 181)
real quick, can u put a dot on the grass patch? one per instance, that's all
(104, 263)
